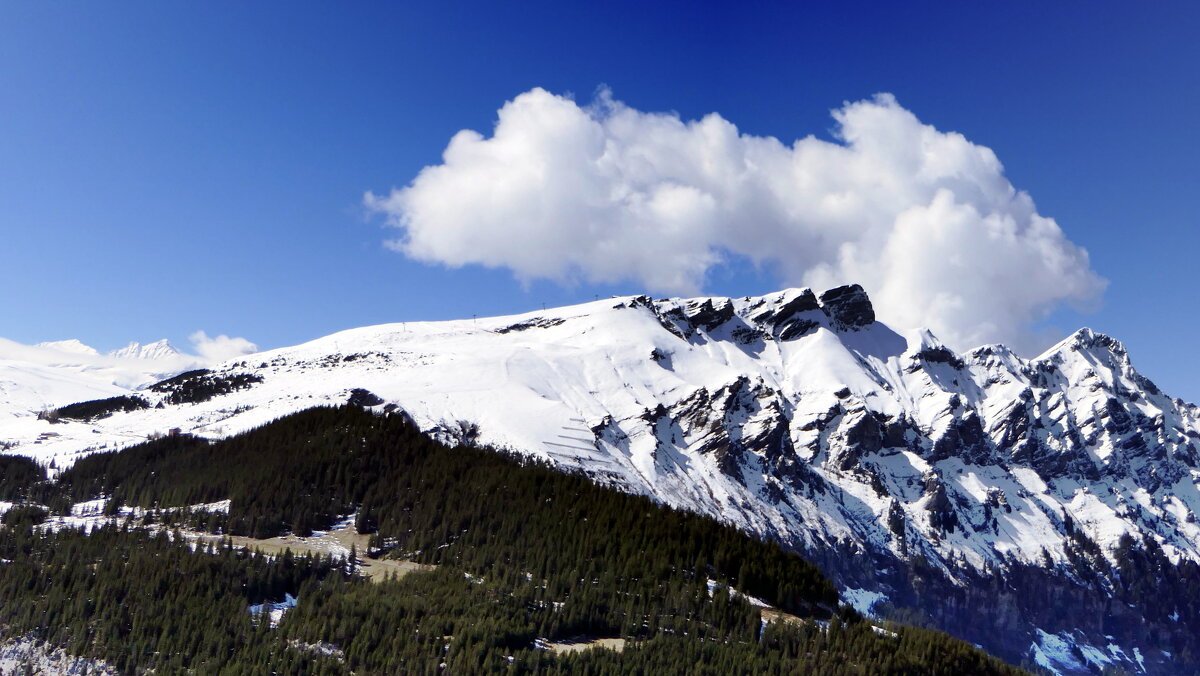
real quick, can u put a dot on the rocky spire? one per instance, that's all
(848, 307)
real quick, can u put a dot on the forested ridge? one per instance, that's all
(94, 409)
(524, 552)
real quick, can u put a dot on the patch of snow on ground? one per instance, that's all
(90, 515)
(1053, 652)
(1059, 652)
(322, 648)
(88, 507)
(1094, 655)
(221, 506)
(28, 655)
(862, 600)
(274, 610)
(733, 593)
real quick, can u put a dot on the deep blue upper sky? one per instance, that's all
(172, 167)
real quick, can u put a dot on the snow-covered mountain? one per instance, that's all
(158, 350)
(49, 374)
(71, 346)
(1006, 500)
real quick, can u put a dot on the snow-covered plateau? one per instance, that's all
(995, 495)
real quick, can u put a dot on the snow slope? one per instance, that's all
(27, 388)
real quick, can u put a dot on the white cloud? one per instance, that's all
(220, 348)
(925, 220)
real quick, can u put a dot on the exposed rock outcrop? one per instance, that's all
(848, 307)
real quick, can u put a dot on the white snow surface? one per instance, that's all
(717, 406)
(862, 600)
(275, 610)
(734, 593)
(1066, 653)
(27, 655)
(26, 388)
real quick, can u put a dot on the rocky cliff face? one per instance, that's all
(1044, 508)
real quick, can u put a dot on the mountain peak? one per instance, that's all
(72, 345)
(156, 350)
(783, 313)
(1086, 340)
(848, 307)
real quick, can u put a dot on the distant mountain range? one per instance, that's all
(1043, 508)
(35, 377)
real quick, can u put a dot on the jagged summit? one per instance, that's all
(157, 350)
(783, 315)
(1087, 340)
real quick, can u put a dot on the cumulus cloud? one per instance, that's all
(222, 347)
(924, 219)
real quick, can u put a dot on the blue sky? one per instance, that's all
(166, 168)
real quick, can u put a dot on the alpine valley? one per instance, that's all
(1043, 509)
